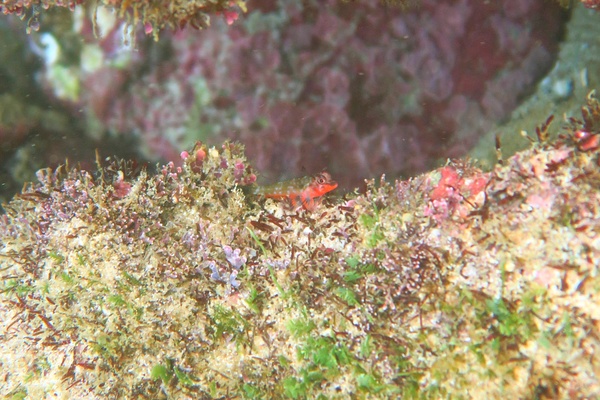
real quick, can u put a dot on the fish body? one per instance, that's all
(302, 191)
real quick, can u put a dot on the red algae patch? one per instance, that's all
(357, 88)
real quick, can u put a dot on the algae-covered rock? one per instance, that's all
(154, 15)
(453, 284)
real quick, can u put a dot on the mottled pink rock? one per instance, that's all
(359, 89)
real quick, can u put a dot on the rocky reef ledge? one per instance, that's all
(457, 283)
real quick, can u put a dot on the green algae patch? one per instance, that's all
(457, 283)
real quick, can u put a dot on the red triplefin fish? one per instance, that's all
(299, 191)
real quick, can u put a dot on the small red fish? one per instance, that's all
(301, 190)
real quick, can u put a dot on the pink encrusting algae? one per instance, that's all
(388, 89)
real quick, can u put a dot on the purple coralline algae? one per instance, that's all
(386, 89)
(182, 284)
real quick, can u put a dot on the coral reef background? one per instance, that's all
(386, 89)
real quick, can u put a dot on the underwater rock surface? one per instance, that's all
(456, 283)
(576, 72)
